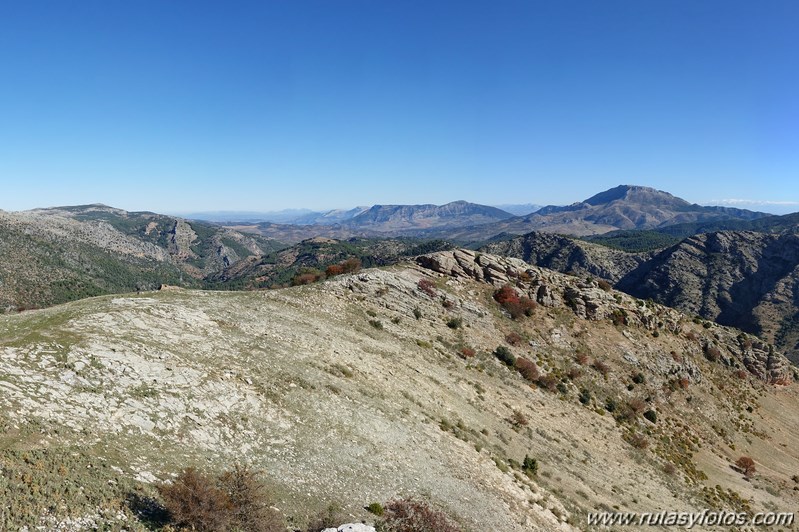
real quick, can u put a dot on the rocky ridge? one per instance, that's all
(591, 302)
(565, 254)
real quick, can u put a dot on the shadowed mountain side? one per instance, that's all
(743, 279)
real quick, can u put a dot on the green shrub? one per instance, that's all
(651, 415)
(530, 465)
(376, 508)
(376, 324)
(611, 405)
(454, 323)
(585, 396)
(504, 355)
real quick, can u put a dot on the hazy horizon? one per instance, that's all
(771, 207)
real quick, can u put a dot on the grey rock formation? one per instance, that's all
(351, 527)
(590, 302)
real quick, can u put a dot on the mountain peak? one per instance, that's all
(634, 193)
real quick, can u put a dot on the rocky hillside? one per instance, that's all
(312, 257)
(398, 381)
(740, 278)
(49, 256)
(743, 279)
(566, 254)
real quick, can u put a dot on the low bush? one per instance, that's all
(518, 419)
(330, 517)
(233, 500)
(466, 352)
(527, 369)
(638, 441)
(549, 382)
(530, 465)
(513, 339)
(505, 356)
(307, 277)
(619, 317)
(712, 353)
(574, 373)
(351, 265)
(413, 515)
(333, 270)
(454, 323)
(746, 465)
(517, 306)
(601, 367)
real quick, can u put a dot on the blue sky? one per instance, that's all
(183, 106)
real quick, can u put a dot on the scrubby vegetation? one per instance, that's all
(746, 465)
(634, 241)
(236, 499)
(504, 355)
(414, 515)
(516, 305)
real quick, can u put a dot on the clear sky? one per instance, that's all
(189, 105)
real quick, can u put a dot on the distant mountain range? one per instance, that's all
(622, 207)
(388, 221)
(311, 217)
(653, 245)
